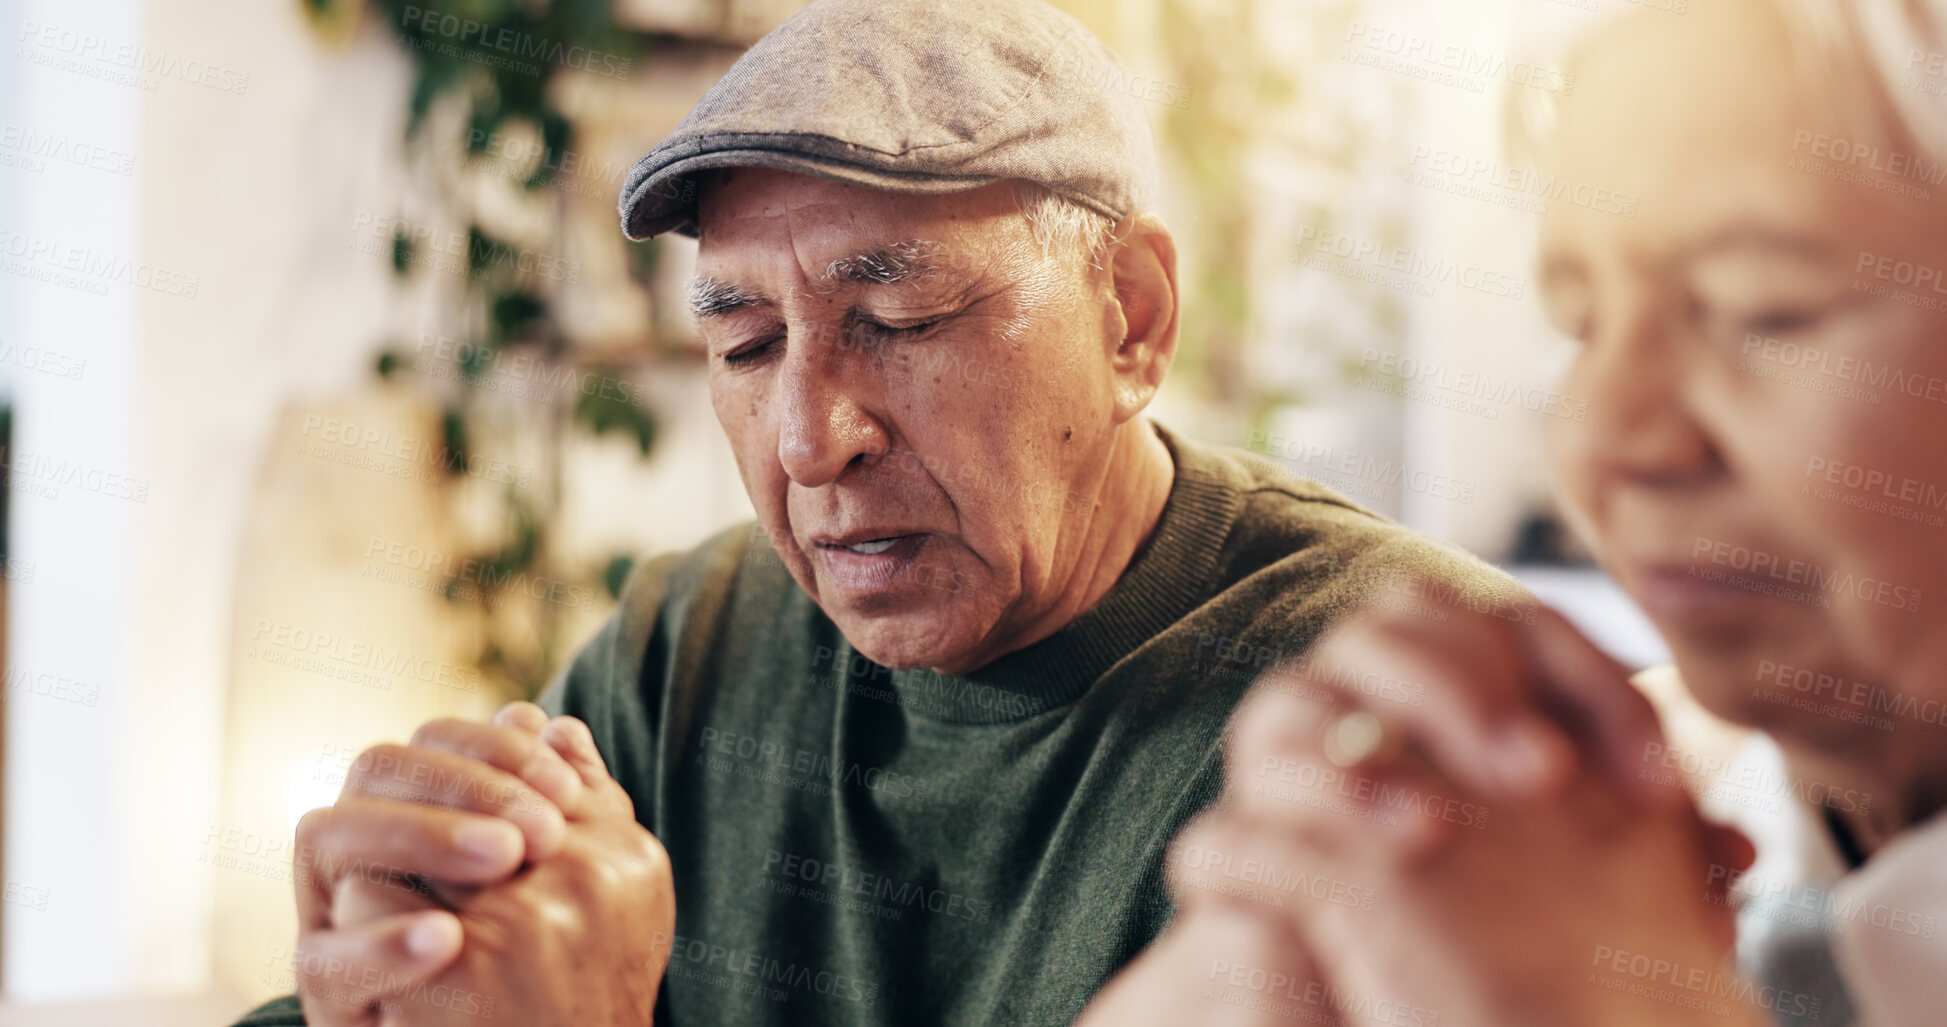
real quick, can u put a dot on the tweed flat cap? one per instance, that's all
(914, 96)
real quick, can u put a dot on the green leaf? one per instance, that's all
(483, 120)
(557, 134)
(401, 252)
(474, 361)
(605, 413)
(511, 312)
(617, 574)
(452, 428)
(643, 257)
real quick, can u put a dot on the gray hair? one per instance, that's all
(1844, 44)
(1062, 226)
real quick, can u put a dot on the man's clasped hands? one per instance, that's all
(482, 870)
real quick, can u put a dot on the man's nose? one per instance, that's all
(826, 419)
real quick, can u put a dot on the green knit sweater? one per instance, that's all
(854, 845)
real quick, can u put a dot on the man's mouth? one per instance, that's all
(875, 546)
(868, 564)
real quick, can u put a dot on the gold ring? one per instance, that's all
(1357, 738)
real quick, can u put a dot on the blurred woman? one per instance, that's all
(1763, 351)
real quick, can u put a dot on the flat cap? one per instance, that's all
(913, 96)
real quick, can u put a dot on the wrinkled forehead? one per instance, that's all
(763, 224)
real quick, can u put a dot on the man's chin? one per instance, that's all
(906, 640)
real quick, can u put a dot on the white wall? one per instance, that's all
(67, 780)
(250, 141)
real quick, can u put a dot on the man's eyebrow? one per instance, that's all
(888, 265)
(710, 297)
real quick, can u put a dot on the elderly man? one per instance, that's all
(912, 751)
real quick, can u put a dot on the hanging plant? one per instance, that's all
(481, 69)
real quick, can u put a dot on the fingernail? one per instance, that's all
(485, 840)
(431, 936)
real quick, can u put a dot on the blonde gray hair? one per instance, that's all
(1858, 56)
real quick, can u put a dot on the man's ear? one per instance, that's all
(1142, 266)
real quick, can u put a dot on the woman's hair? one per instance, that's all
(1886, 47)
(1880, 65)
